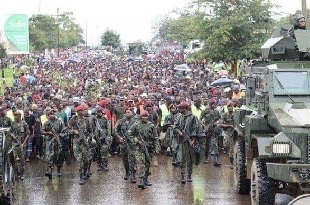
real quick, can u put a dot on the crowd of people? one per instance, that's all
(88, 109)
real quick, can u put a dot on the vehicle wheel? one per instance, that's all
(242, 184)
(262, 190)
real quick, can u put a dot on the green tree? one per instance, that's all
(2, 56)
(231, 29)
(110, 38)
(46, 30)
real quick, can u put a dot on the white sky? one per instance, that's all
(132, 19)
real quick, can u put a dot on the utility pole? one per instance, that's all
(86, 35)
(304, 8)
(58, 35)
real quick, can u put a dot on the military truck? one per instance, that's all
(7, 175)
(272, 150)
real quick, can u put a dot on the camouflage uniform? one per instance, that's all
(5, 121)
(80, 146)
(209, 117)
(53, 144)
(171, 139)
(20, 130)
(139, 133)
(126, 148)
(228, 119)
(188, 125)
(102, 139)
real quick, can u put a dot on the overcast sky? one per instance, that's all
(132, 19)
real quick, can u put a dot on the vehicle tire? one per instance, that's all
(262, 189)
(241, 183)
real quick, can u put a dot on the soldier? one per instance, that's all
(79, 126)
(51, 130)
(172, 139)
(154, 118)
(126, 148)
(187, 127)
(210, 118)
(143, 135)
(4, 120)
(103, 140)
(227, 122)
(19, 133)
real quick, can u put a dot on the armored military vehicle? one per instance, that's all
(272, 150)
(7, 176)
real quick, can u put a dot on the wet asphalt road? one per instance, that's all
(211, 186)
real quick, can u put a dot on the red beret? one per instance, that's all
(103, 103)
(212, 101)
(144, 114)
(79, 108)
(149, 103)
(184, 105)
(230, 104)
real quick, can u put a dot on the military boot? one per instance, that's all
(216, 160)
(82, 179)
(126, 175)
(49, 173)
(182, 178)
(231, 159)
(133, 177)
(189, 177)
(88, 172)
(207, 159)
(105, 166)
(146, 182)
(58, 172)
(141, 184)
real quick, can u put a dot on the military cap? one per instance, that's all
(212, 101)
(144, 114)
(184, 105)
(230, 104)
(103, 103)
(79, 108)
(149, 103)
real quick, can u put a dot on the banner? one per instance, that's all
(14, 33)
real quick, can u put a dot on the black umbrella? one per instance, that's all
(222, 82)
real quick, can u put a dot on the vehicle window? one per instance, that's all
(292, 83)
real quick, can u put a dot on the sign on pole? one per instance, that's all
(14, 32)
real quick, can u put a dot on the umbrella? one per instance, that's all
(222, 82)
(182, 67)
(223, 73)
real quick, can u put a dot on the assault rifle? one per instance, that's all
(100, 133)
(145, 150)
(126, 141)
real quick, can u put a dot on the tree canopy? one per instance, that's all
(110, 38)
(231, 29)
(44, 33)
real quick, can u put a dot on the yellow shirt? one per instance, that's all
(9, 114)
(197, 112)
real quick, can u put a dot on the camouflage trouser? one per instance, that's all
(214, 135)
(52, 153)
(142, 164)
(125, 156)
(81, 152)
(131, 159)
(202, 144)
(187, 157)
(19, 158)
(103, 152)
(230, 144)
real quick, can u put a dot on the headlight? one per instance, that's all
(281, 148)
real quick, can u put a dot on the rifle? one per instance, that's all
(99, 132)
(126, 141)
(145, 150)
